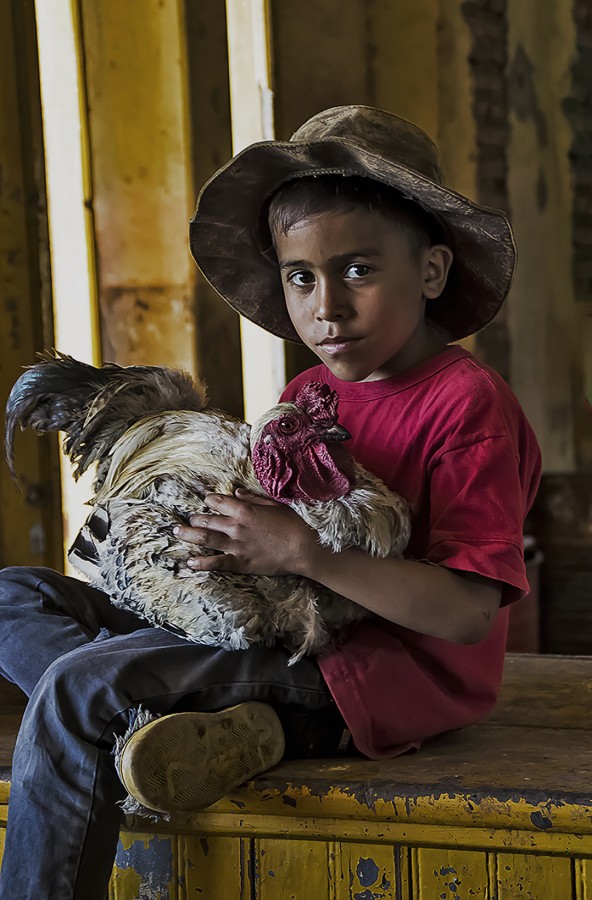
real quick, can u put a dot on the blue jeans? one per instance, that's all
(84, 664)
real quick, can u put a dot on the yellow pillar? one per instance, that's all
(143, 194)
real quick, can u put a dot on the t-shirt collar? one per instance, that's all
(369, 390)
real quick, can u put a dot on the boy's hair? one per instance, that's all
(316, 194)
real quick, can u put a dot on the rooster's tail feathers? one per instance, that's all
(92, 406)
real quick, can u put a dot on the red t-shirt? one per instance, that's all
(449, 436)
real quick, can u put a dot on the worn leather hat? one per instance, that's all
(227, 232)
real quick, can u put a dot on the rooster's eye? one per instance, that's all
(288, 426)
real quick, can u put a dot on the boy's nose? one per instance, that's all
(332, 303)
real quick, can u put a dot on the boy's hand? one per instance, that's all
(254, 536)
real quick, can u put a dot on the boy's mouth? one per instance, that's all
(337, 344)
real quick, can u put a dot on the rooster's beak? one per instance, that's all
(336, 433)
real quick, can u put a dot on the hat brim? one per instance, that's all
(225, 233)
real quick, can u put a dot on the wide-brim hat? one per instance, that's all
(230, 240)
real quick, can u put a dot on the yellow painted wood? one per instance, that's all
(291, 870)
(213, 867)
(533, 877)
(452, 872)
(143, 194)
(372, 868)
(583, 879)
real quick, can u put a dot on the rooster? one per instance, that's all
(159, 450)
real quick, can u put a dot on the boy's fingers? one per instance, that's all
(218, 563)
(254, 498)
(202, 521)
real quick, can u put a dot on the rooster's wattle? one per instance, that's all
(159, 451)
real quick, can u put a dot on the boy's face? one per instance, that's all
(355, 292)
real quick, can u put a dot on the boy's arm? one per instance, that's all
(426, 598)
(258, 536)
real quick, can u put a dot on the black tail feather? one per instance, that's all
(92, 406)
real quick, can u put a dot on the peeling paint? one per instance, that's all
(151, 861)
(367, 872)
(540, 821)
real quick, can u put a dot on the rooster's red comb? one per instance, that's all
(318, 400)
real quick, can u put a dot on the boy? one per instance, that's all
(346, 239)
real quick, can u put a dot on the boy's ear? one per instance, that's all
(437, 262)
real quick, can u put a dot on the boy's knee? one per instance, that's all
(70, 687)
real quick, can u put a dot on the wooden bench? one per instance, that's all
(501, 810)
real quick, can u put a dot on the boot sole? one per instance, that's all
(186, 761)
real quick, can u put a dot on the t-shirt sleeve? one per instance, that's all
(477, 512)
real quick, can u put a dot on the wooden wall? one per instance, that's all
(502, 85)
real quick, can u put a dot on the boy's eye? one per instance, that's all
(301, 279)
(357, 270)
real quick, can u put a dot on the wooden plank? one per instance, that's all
(212, 867)
(284, 870)
(369, 870)
(143, 195)
(533, 877)
(583, 879)
(545, 691)
(450, 872)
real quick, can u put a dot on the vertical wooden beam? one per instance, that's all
(217, 324)
(542, 315)
(456, 132)
(136, 77)
(251, 104)
(30, 529)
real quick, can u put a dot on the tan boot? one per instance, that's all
(184, 762)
